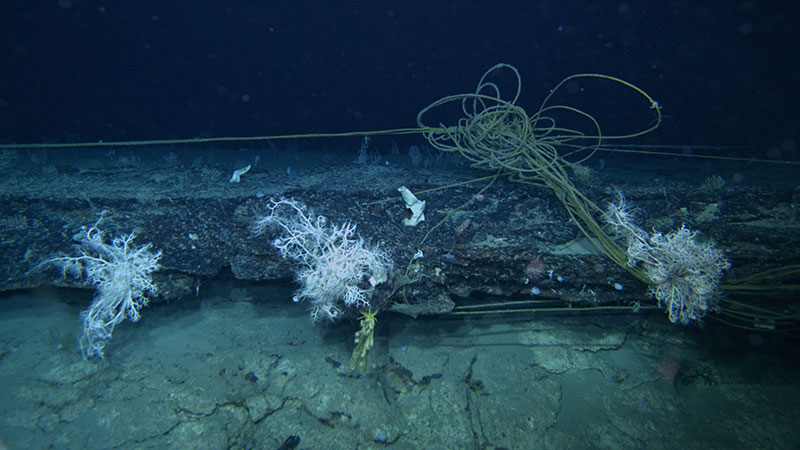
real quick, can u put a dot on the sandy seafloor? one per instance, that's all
(241, 366)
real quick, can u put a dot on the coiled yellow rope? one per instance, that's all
(497, 134)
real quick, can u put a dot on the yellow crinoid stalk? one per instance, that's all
(364, 341)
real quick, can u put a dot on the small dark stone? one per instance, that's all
(250, 376)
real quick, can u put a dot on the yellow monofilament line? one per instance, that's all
(388, 132)
(461, 312)
(397, 131)
(640, 151)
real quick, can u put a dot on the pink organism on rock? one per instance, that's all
(535, 267)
